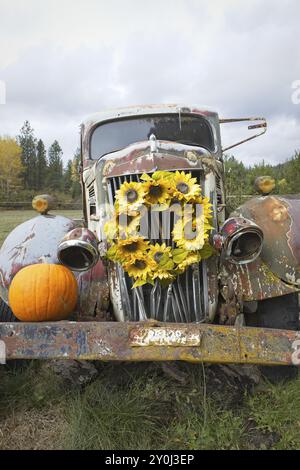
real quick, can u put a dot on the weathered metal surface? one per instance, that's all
(34, 241)
(138, 158)
(279, 218)
(93, 289)
(112, 341)
(255, 281)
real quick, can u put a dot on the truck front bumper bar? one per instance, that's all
(149, 341)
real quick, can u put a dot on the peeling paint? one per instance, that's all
(115, 341)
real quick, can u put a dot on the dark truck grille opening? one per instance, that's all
(183, 301)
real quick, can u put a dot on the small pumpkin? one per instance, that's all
(43, 292)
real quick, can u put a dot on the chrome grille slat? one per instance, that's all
(115, 186)
(197, 292)
(155, 299)
(175, 310)
(204, 286)
(178, 304)
(167, 304)
(183, 300)
(124, 290)
(110, 192)
(187, 286)
(135, 306)
(141, 302)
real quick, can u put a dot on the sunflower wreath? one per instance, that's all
(143, 260)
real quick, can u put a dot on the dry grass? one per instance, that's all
(136, 406)
(34, 429)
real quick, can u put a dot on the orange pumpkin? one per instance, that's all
(43, 292)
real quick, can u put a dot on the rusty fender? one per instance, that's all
(148, 341)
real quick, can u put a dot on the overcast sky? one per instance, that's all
(62, 60)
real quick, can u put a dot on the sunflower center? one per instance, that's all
(132, 247)
(131, 195)
(183, 188)
(139, 264)
(155, 191)
(158, 256)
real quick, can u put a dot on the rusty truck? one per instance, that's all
(238, 306)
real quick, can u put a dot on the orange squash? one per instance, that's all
(43, 292)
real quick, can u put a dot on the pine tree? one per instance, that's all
(76, 186)
(55, 168)
(68, 177)
(42, 165)
(27, 141)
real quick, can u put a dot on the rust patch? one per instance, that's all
(115, 341)
(255, 281)
(279, 212)
(93, 293)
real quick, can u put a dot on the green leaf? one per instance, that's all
(179, 255)
(145, 177)
(207, 251)
(111, 252)
(160, 174)
(139, 282)
(168, 265)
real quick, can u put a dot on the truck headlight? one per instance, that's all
(240, 240)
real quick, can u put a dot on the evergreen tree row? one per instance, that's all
(45, 170)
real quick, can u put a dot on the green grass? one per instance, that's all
(138, 406)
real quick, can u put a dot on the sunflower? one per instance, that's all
(140, 268)
(162, 255)
(130, 197)
(157, 190)
(191, 234)
(206, 207)
(184, 187)
(130, 248)
(122, 226)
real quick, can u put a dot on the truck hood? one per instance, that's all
(142, 157)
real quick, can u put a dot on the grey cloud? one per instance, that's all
(239, 59)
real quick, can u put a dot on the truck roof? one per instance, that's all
(128, 111)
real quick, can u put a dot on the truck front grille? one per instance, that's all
(183, 301)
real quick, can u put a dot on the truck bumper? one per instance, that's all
(149, 341)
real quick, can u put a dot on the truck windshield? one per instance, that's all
(115, 135)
